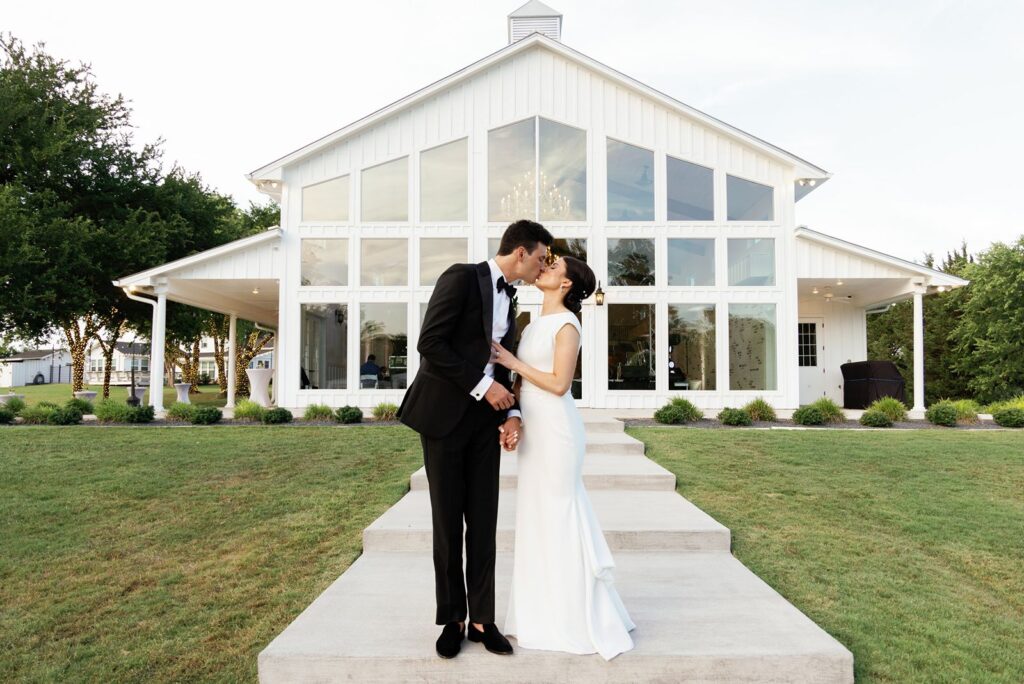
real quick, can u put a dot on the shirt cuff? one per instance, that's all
(514, 413)
(482, 387)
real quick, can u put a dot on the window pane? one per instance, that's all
(691, 194)
(323, 346)
(511, 160)
(385, 192)
(630, 183)
(691, 347)
(492, 246)
(325, 262)
(631, 262)
(574, 247)
(385, 261)
(751, 261)
(383, 334)
(437, 254)
(327, 201)
(563, 172)
(444, 182)
(807, 344)
(752, 347)
(631, 346)
(691, 262)
(749, 201)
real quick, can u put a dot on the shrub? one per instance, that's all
(276, 416)
(759, 409)
(874, 417)
(348, 414)
(942, 413)
(111, 411)
(677, 411)
(16, 405)
(205, 379)
(966, 410)
(6, 415)
(179, 410)
(48, 404)
(84, 406)
(1016, 402)
(894, 409)
(249, 410)
(385, 411)
(1009, 417)
(206, 415)
(140, 414)
(808, 415)
(830, 410)
(37, 415)
(731, 416)
(66, 415)
(318, 412)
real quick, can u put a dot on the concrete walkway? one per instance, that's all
(701, 615)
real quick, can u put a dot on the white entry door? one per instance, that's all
(581, 385)
(811, 357)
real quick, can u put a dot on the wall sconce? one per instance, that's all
(599, 294)
(339, 317)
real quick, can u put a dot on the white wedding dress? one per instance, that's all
(562, 597)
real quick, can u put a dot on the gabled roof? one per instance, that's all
(32, 355)
(534, 8)
(272, 171)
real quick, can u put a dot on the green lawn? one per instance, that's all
(177, 554)
(59, 393)
(908, 547)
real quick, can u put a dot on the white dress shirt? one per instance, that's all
(499, 326)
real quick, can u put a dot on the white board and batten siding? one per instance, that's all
(259, 262)
(842, 337)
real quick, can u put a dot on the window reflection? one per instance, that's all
(444, 182)
(511, 159)
(383, 334)
(384, 261)
(385, 191)
(691, 195)
(691, 347)
(325, 262)
(630, 182)
(323, 346)
(751, 261)
(631, 347)
(691, 262)
(327, 201)
(749, 201)
(752, 341)
(574, 247)
(631, 261)
(563, 172)
(437, 254)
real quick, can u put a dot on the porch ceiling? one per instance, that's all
(860, 292)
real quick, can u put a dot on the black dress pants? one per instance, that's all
(462, 473)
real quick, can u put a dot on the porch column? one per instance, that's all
(273, 362)
(232, 358)
(918, 351)
(156, 350)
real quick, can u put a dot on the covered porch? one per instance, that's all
(240, 279)
(838, 284)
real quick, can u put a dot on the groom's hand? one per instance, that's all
(508, 434)
(499, 397)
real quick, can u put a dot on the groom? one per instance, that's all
(462, 405)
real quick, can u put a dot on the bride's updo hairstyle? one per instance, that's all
(583, 281)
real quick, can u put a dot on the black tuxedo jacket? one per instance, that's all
(454, 347)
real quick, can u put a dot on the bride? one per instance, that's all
(562, 597)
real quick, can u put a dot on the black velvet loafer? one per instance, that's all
(450, 641)
(493, 640)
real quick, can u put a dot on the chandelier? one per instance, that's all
(520, 200)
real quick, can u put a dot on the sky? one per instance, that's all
(914, 106)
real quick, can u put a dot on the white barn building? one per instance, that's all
(711, 290)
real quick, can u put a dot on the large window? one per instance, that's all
(385, 261)
(563, 172)
(691, 347)
(630, 182)
(444, 182)
(383, 334)
(691, 262)
(323, 346)
(631, 261)
(437, 254)
(691, 195)
(751, 261)
(325, 262)
(631, 347)
(327, 201)
(749, 201)
(574, 247)
(385, 191)
(752, 342)
(511, 162)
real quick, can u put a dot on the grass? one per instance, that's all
(177, 554)
(906, 547)
(60, 393)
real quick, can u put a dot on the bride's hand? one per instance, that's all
(503, 356)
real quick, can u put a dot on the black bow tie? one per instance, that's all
(502, 285)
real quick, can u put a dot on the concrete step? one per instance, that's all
(631, 520)
(596, 422)
(612, 443)
(701, 617)
(600, 471)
